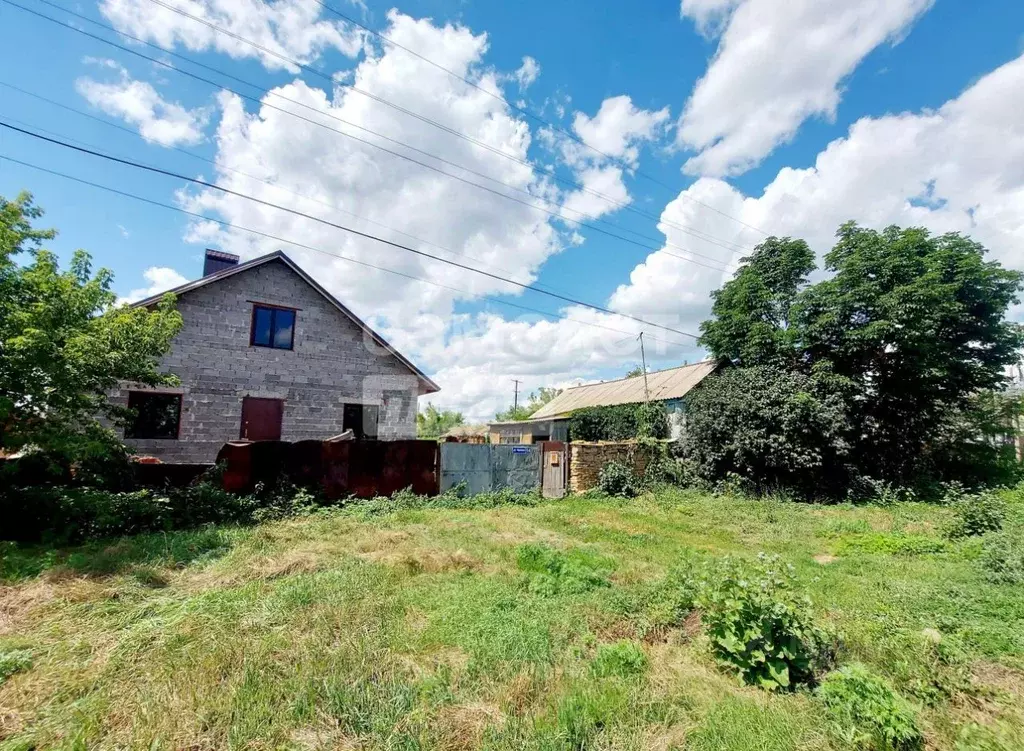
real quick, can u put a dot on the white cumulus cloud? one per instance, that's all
(778, 63)
(527, 73)
(285, 29)
(160, 278)
(138, 103)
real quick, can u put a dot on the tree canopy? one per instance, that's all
(64, 343)
(537, 399)
(751, 315)
(907, 328)
(433, 423)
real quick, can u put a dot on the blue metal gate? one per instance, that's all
(488, 467)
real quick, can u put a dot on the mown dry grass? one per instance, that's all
(416, 629)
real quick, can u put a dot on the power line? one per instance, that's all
(296, 244)
(423, 118)
(728, 245)
(526, 112)
(723, 265)
(270, 204)
(214, 162)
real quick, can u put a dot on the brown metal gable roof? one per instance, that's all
(279, 255)
(662, 384)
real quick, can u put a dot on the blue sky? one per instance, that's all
(714, 115)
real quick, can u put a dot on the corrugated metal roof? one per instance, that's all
(663, 384)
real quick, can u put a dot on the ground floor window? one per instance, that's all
(156, 415)
(361, 419)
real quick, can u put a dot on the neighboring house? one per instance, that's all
(551, 422)
(266, 353)
(466, 434)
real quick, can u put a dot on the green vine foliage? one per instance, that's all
(621, 422)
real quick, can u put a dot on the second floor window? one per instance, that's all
(273, 327)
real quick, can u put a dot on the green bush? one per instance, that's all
(772, 429)
(622, 659)
(551, 571)
(57, 514)
(14, 661)
(975, 515)
(867, 713)
(615, 478)
(762, 626)
(1002, 558)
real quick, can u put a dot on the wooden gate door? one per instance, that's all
(261, 419)
(553, 469)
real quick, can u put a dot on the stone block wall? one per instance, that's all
(333, 363)
(586, 460)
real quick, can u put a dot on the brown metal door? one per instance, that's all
(261, 418)
(553, 469)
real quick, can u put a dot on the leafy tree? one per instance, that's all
(538, 399)
(637, 371)
(916, 324)
(63, 343)
(907, 331)
(751, 320)
(432, 422)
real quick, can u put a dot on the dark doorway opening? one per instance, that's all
(361, 419)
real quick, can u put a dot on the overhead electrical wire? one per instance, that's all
(422, 118)
(722, 265)
(526, 112)
(386, 102)
(259, 233)
(214, 162)
(729, 246)
(326, 222)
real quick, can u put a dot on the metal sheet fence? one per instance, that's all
(338, 469)
(489, 467)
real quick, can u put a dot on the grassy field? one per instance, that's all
(383, 627)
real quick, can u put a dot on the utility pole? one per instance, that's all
(515, 398)
(643, 364)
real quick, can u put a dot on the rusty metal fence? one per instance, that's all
(363, 469)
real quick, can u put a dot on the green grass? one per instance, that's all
(550, 625)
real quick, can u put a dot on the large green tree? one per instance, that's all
(433, 422)
(751, 316)
(64, 343)
(908, 328)
(916, 324)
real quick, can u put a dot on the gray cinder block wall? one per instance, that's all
(333, 363)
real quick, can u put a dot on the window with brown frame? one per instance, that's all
(272, 327)
(157, 416)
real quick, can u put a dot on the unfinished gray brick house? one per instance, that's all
(266, 353)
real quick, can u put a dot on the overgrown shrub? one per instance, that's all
(976, 514)
(1002, 558)
(616, 478)
(550, 571)
(762, 626)
(622, 659)
(772, 428)
(621, 422)
(867, 713)
(58, 514)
